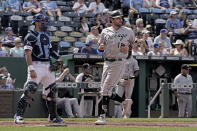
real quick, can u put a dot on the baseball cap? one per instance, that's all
(106, 11)
(173, 12)
(116, 14)
(8, 29)
(94, 27)
(164, 31)
(186, 67)
(89, 43)
(156, 45)
(145, 31)
(3, 77)
(86, 66)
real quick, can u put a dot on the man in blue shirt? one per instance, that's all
(8, 40)
(13, 5)
(3, 84)
(2, 5)
(89, 49)
(51, 8)
(32, 6)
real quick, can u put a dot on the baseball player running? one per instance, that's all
(114, 42)
(38, 50)
(183, 93)
(127, 82)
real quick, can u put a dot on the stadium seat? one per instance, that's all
(83, 39)
(144, 10)
(66, 28)
(64, 44)
(61, 3)
(159, 24)
(164, 16)
(76, 19)
(157, 11)
(52, 18)
(57, 23)
(29, 18)
(76, 34)
(187, 11)
(52, 28)
(63, 47)
(79, 44)
(191, 17)
(69, 39)
(64, 19)
(87, 14)
(195, 11)
(169, 10)
(65, 8)
(55, 39)
(16, 18)
(60, 33)
(23, 13)
(70, 14)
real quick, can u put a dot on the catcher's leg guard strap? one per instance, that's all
(105, 102)
(116, 97)
(53, 90)
(30, 89)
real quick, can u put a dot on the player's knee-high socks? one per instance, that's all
(52, 109)
(105, 102)
(22, 105)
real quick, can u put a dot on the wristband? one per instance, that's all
(30, 67)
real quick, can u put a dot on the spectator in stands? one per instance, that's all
(17, 51)
(149, 3)
(155, 51)
(140, 25)
(94, 36)
(162, 50)
(173, 23)
(129, 20)
(2, 5)
(3, 84)
(13, 5)
(194, 3)
(51, 8)
(86, 77)
(8, 40)
(105, 18)
(163, 37)
(80, 6)
(125, 6)
(89, 49)
(164, 4)
(135, 50)
(147, 38)
(98, 22)
(135, 5)
(143, 48)
(32, 6)
(84, 27)
(96, 7)
(4, 71)
(64, 99)
(134, 28)
(179, 49)
(3, 51)
(179, 4)
(139, 34)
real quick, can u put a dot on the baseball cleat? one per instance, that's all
(126, 106)
(57, 121)
(18, 119)
(101, 121)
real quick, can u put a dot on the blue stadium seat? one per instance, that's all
(64, 44)
(144, 10)
(64, 47)
(157, 11)
(66, 28)
(64, 19)
(23, 13)
(29, 18)
(169, 10)
(71, 14)
(65, 8)
(52, 28)
(187, 11)
(57, 23)
(16, 18)
(164, 16)
(195, 11)
(61, 3)
(79, 44)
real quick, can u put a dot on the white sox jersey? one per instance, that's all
(114, 39)
(131, 66)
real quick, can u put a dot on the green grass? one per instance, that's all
(104, 128)
(92, 129)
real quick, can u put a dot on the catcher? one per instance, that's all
(38, 50)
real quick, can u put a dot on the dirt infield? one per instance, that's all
(112, 124)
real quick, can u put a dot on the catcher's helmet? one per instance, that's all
(39, 18)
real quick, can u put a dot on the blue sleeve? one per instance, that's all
(142, 1)
(100, 53)
(25, 4)
(131, 3)
(168, 23)
(55, 5)
(83, 50)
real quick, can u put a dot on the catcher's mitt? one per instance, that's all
(55, 66)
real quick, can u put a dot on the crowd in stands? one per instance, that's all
(162, 27)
